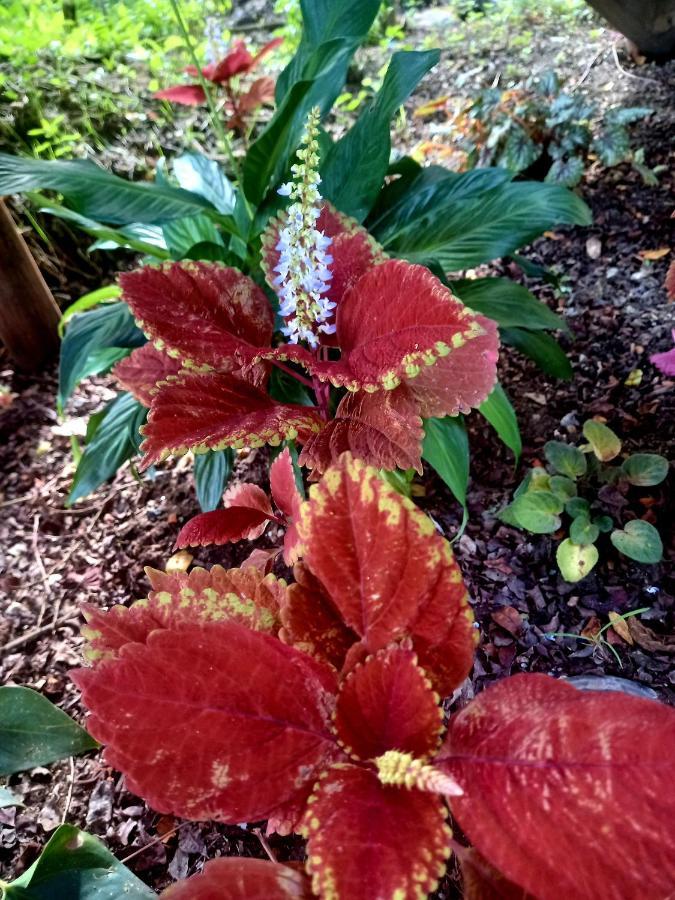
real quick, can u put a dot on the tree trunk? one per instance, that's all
(649, 24)
(29, 316)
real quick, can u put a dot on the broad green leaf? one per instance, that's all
(212, 471)
(446, 449)
(9, 798)
(115, 440)
(501, 415)
(626, 115)
(354, 170)
(604, 523)
(639, 541)
(519, 150)
(97, 193)
(183, 234)
(88, 301)
(563, 487)
(577, 506)
(110, 326)
(612, 145)
(575, 561)
(207, 250)
(583, 531)
(200, 175)
(34, 732)
(645, 469)
(566, 172)
(605, 444)
(542, 348)
(508, 303)
(76, 866)
(565, 459)
(537, 511)
(491, 225)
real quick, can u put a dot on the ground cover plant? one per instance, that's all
(339, 676)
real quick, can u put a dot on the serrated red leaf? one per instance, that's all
(261, 91)
(287, 497)
(204, 312)
(141, 371)
(247, 596)
(366, 840)
(670, 281)
(213, 411)
(185, 94)
(235, 878)
(567, 793)
(394, 576)
(245, 516)
(310, 621)
(388, 704)
(383, 429)
(212, 722)
(481, 881)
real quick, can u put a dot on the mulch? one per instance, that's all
(53, 558)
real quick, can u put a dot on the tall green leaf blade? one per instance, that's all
(97, 193)
(492, 224)
(508, 303)
(110, 326)
(541, 348)
(34, 732)
(203, 176)
(184, 234)
(87, 302)
(76, 866)
(356, 165)
(115, 440)
(212, 472)
(446, 449)
(499, 412)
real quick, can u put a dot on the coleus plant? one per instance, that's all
(580, 482)
(240, 99)
(231, 695)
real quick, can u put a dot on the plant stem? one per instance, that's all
(289, 371)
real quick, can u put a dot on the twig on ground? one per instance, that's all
(630, 74)
(69, 795)
(265, 844)
(161, 837)
(67, 619)
(41, 568)
(598, 56)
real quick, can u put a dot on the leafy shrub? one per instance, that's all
(542, 126)
(231, 695)
(428, 217)
(576, 482)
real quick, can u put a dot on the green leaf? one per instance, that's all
(563, 487)
(606, 445)
(566, 172)
(519, 150)
(508, 303)
(564, 458)
(212, 471)
(612, 145)
(203, 176)
(645, 469)
(626, 115)
(499, 412)
(639, 541)
(76, 866)
(110, 326)
(537, 511)
(88, 301)
(354, 170)
(34, 732)
(115, 440)
(95, 192)
(183, 234)
(604, 523)
(575, 561)
(493, 224)
(542, 348)
(446, 449)
(583, 531)
(577, 506)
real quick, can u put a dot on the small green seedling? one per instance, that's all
(598, 640)
(546, 494)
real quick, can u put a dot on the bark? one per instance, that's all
(29, 315)
(649, 24)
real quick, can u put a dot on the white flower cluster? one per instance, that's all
(303, 271)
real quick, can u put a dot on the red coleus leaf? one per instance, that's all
(235, 878)
(387, 703)
(394, 576)
(141, 371)
(246, 596)
(481, 881)
(383, 429)
(245, 516)
(261, 91)
(205, 313)
(568, 793)
(238, 61)
(670, 281)
(354, 250)
(366, 840)
(287, 497)
(212, 722)
(311, 622)
(212, 411)
(185, 94)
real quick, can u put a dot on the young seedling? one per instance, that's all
(597, 639)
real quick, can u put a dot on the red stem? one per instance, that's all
(296, 375)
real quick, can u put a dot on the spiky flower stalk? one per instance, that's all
(303, 271)
(403, 770)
